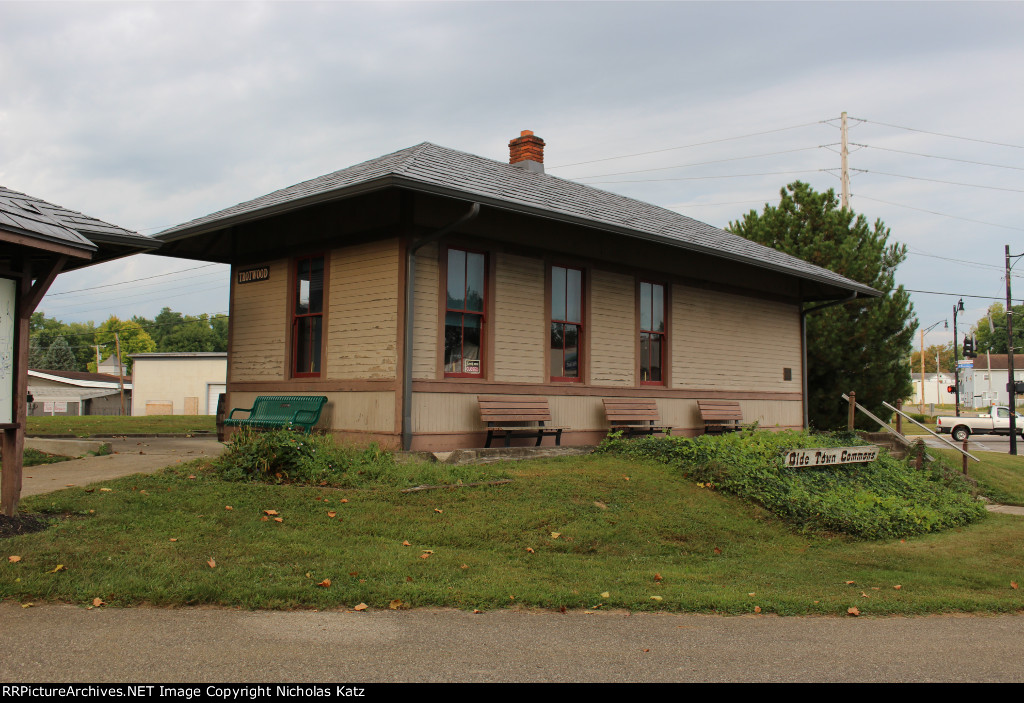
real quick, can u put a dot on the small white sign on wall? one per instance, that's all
(8, 289)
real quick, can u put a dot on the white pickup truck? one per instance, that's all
(997, 421)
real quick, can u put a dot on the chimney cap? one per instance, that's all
(527, 152)
(526, 133)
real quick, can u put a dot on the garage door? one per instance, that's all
(212, 391)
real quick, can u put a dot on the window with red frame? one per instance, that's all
(464, 313)
(652, 332)
(307, 316)
(566, 323)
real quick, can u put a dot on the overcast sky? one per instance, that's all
(147, 115)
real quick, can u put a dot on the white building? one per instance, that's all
(178, 383)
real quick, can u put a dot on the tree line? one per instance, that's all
(74, 346)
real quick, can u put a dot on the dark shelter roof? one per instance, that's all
(25, 215)
(435, 169)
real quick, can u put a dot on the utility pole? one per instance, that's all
(120, 370)
(845, 171)
(959, 307)
(1011, 385)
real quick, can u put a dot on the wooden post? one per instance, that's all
(899, 418)
(965, 457)
(853, 410)
(14, 438)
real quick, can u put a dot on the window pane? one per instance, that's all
(645, 357)
(475, 282)
(572, 357)
(656, 341)
(307, 344)
(658, 308)
(471, 344)
(557, 350)
(557, 293)
(453, 342)
(316, 285)
(456, 279)
(573, 295)
(645, 306)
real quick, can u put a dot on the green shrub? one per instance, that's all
(884, 499)
(284, 456)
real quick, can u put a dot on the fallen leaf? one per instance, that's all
(853, 611)
(212, 563)
(717, 550)
(59, 567)
(757, 609)
(192, 476)
(228, 507)
(309, 574)
(864, 595)
(396, 604)
(174, 539)
(408, 579)
(626, 478)
(658, 577)
(326, 583)
(107, 490)
(344, 500)
(425, 555)
(655, 597)
(27, 605)
(14, 559)
(530, 550)
(751, 595)
(264, 519)
(279, 519)
(647, 650)
(361, 606)
(438, 511)
(406, 543)
(897, 586)
(353, 573)
(556, 535)
(606, 594)
(601, 505)
(464, 566)
(476, 612)
(271, 512)
(850, 583)
(1013, 585)
(562, 610)
(97, 602)
(331, 513)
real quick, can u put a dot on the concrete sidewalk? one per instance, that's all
(131, 456)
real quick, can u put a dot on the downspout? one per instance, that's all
(803, 346)
(410, 279)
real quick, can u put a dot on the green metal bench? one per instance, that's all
(273, 411)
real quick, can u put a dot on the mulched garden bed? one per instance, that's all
(22, 524)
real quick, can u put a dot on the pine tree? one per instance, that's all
(861, 346)
(59, 356)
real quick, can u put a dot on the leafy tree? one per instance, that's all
(59, 357)
(945, 354)
(995, 342)
(863, 345)
(133, 339)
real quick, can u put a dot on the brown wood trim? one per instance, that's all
(314, 386)
(405, 203)
(470, 386)
(43, 245)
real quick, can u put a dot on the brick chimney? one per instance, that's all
(527, 151)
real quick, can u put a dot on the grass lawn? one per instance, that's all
(574, 532)
(86, 425)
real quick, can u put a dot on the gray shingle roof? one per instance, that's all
(24, 213)
(437, 169)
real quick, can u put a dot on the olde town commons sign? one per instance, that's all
(830, 456)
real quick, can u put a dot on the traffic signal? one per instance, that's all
(951, 389)
(969, 348)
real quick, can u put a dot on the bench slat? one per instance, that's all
(496, 412)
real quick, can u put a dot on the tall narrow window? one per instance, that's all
(652, 332)
(307, 316)
(566, 323)
(464, 314)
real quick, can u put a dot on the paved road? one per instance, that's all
(984, 443)
(72, 644)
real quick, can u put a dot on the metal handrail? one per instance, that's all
(933, 434)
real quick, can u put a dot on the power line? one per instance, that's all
(961, 295)
(702, 178)
(940, 134)
(136, 280)
(697, 163)
(945, 158)
(935, 180)
(943, 214)
(689, 146)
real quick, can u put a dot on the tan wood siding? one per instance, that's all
(425, 323)
(612, 329)
(519, 320)
(362, 325)
(723, 341)
(259, 326)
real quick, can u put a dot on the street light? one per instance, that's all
(937, 369)
(959, 307)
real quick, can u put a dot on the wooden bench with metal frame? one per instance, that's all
(517, 417)
(720, 416)
(280, 411)
(634, 416)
